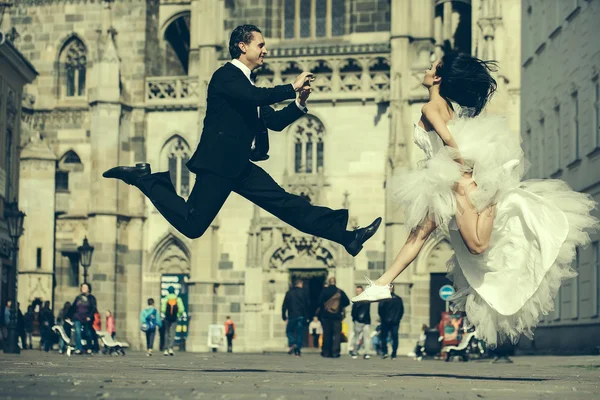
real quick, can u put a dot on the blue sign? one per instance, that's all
(446, 292)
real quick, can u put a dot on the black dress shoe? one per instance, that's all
(129, 175)
(361, 235)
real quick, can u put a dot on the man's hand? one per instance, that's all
(303, 80)
(303, 96)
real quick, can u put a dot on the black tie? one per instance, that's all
(253, 77)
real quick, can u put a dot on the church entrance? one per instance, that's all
(314, 282)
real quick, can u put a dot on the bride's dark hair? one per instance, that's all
(466, 80)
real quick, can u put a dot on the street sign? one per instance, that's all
(446, 292)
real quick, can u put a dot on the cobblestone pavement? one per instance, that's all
(36, 375)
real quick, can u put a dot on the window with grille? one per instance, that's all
(73, 62)
(177, 152)
(309, 147)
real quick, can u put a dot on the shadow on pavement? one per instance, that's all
(470, 377)
(452, 376)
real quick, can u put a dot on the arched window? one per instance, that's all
(69, 162)
(177, 153)
(308, 145)
(310, 19)
(177, 46)
(73, 61)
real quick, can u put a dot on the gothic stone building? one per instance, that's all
(125, 81)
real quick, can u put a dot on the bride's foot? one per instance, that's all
(373, 292)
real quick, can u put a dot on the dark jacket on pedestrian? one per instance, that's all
(332, 303)
(295, 304)
(29, 319)
(46, 318)
(361, 313)
(83, 308)
(392, 310)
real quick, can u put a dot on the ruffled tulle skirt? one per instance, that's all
(537, 226)
(537, 229)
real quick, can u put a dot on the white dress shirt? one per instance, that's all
(247, 72)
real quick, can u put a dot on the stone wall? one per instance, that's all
(370, 16)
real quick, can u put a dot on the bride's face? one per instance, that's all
(430, 77)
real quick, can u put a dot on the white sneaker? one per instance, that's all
(166, 353)
(373, 293)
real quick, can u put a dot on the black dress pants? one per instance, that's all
(389, 328)
(194, 216)
(332, 331)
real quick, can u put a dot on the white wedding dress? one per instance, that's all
(537, 226)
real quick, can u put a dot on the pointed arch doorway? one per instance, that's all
(313, 283)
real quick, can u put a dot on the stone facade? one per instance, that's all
(137, 103)
(561, 137)
(15, 73)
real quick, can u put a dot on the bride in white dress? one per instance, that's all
(513, 240)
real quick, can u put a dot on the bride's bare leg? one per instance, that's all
(475, 228)
(408, 253)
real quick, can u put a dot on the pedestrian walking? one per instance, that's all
(82, 313)
(332, 303)
(390, 312)
(28, 322)
(110, 324)
(316, 330)
(150, 320)
(229, 333)
(46, 324)
(294, 310)
(361, 317)
(172, 309)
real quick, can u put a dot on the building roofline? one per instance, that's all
(19, 62)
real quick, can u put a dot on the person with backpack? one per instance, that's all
(332, 303)
(150, 320)
(229, 333)
(172, 310)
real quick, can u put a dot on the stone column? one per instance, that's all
(37, 200)
(105, 141)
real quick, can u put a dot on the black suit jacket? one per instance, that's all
(232, 122)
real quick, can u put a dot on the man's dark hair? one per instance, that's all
(242, 33)
(150, 302)
(360, 287)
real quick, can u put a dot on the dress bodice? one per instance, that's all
(428, 141)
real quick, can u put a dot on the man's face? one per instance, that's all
(359, 290)
(255, 51)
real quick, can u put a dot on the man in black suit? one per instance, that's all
(238, 115)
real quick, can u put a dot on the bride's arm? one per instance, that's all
(439, 125)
